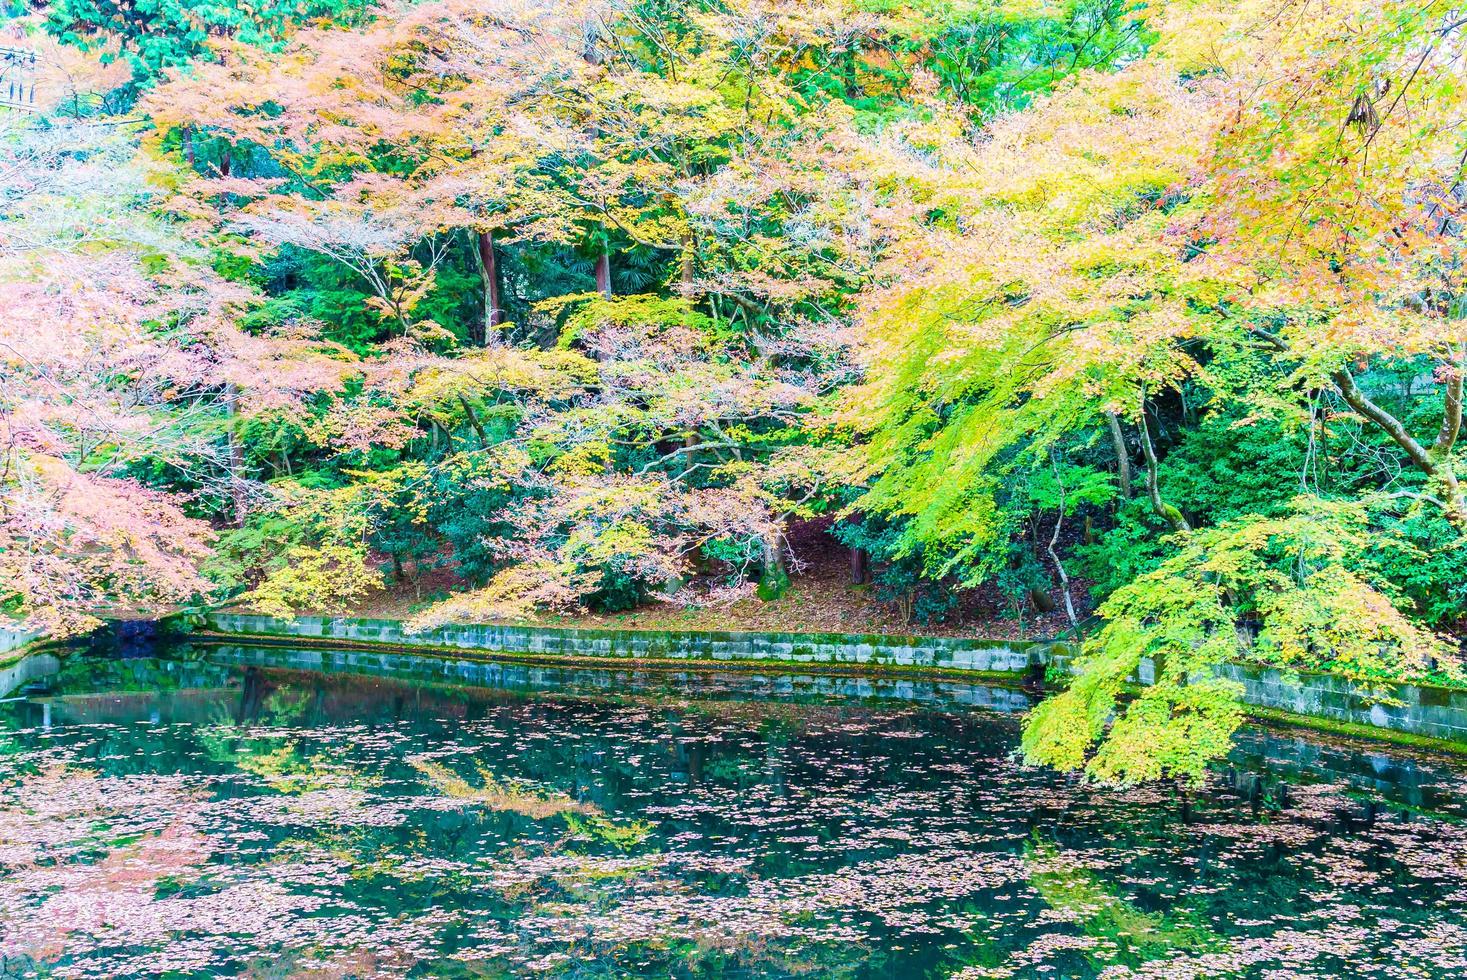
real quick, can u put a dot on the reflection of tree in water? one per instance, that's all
(496, 833)
(254, 737)
(251, 697)
(1123, 933)
(584, 821)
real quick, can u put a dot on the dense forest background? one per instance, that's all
(1145, 315)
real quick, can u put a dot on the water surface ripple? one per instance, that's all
(202, 813)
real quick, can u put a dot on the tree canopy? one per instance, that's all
(1153, 307)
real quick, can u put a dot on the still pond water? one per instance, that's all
(221, 812)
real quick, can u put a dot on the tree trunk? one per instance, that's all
(689, 269)
(1059, 566)
(489, 272)
(860, 566)
(603, 273)
(592, 55)
(773, 548)
(1123, 455)
(1451, 426)
(473, 421)
(236, 458)
(774, 578)
(1164, 510)
(1431, 463)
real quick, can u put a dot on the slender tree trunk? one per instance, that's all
(1064, 578)
(473, 421)
(1451, 426)
(489, 271)
(1123, 455)
(1059, 566)
(592, 55)
(860, 566)
(1164, 510)
(236, 458)
(1433, 464)
(905, 604)
(603, 273)
(689, 269)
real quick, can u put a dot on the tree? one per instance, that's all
(492, 121)
(1251, 225)
(174, 34)
(118, 350)
(1344, 238)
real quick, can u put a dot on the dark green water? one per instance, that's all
(200, 814)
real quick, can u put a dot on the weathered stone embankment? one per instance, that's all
(12, 640)
(1405, 711)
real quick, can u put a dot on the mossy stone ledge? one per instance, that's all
(1331, 701)
(1014, 657)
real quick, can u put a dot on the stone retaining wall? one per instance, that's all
(987, 656)
(1409, 708)
(546, 677)
(14, 639)
(20, 673)
(1436, 712)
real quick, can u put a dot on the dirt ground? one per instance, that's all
(821, 599)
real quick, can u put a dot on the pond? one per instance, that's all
(220, 811)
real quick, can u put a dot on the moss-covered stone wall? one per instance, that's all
(1414, 710)
(987, 656)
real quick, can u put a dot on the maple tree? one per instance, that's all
(492, 133)
(153, 38)
(1253, 231)
(118, 352)
(1148, 310)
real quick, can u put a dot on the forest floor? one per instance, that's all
(820, 599)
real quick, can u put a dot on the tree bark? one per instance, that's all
(1164, 510)
(1451, 426)
(592, 55)
(773, 554)
(489, 271)
(860, 566)
(689, 265)
(236, 458)
(1059, 566)
(1123, 456)
(473, 421)
(603, 273)
(1425, 460)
